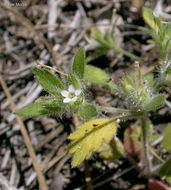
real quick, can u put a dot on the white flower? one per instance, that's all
(71, 95)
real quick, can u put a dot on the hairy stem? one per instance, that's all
(112, 110)
(145, 142)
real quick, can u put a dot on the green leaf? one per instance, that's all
(168, 30)
(39, 108)
(79, 63)
(87, 111)
(155, 103)
(165, 170)
(166, 142)
(150, 19)
(97, 35)
(88, 138)
(150, 80)
(155, 137)
(97, 76)
(48, 81)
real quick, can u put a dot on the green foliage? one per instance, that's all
(155, 137)
(87, 111)
(88, 138)
(48, 81)
(150, 80)
(150, 19)
(107, 41)
(79, 63)
(73, 80)
(140, 90)
(155, 103)
(166, 143)
(97, 76)
(161, 31)
(165, 170)
(39, 108)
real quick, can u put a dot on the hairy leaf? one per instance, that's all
(79, 63)
(97, 76)
(48, 81)
(87, 111)
(166, 143)
(39, 108)
(155, 103)
(89, 136)
(165, 170)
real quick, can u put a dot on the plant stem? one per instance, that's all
(88, 175)
(145, 142)
(113, 110)
(132, 56)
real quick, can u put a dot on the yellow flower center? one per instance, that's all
(71, 95)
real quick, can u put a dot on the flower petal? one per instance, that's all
(78, 92)
(71, 89)
(64, 93)
(73, 99)
(66, 100)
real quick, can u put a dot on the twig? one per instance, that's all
(4, 184)
(29, 146)
(50, 68)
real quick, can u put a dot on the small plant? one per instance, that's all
(142, 91)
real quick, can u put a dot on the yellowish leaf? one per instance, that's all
(89, 136)
(150, 19)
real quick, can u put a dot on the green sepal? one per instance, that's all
(73, 80)
(87, 111)
(48, 81)
(150, 80)
(165, 170)
(97, 76)
(155, 103)
(78, 66)
(166, 142)
(37, 109)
